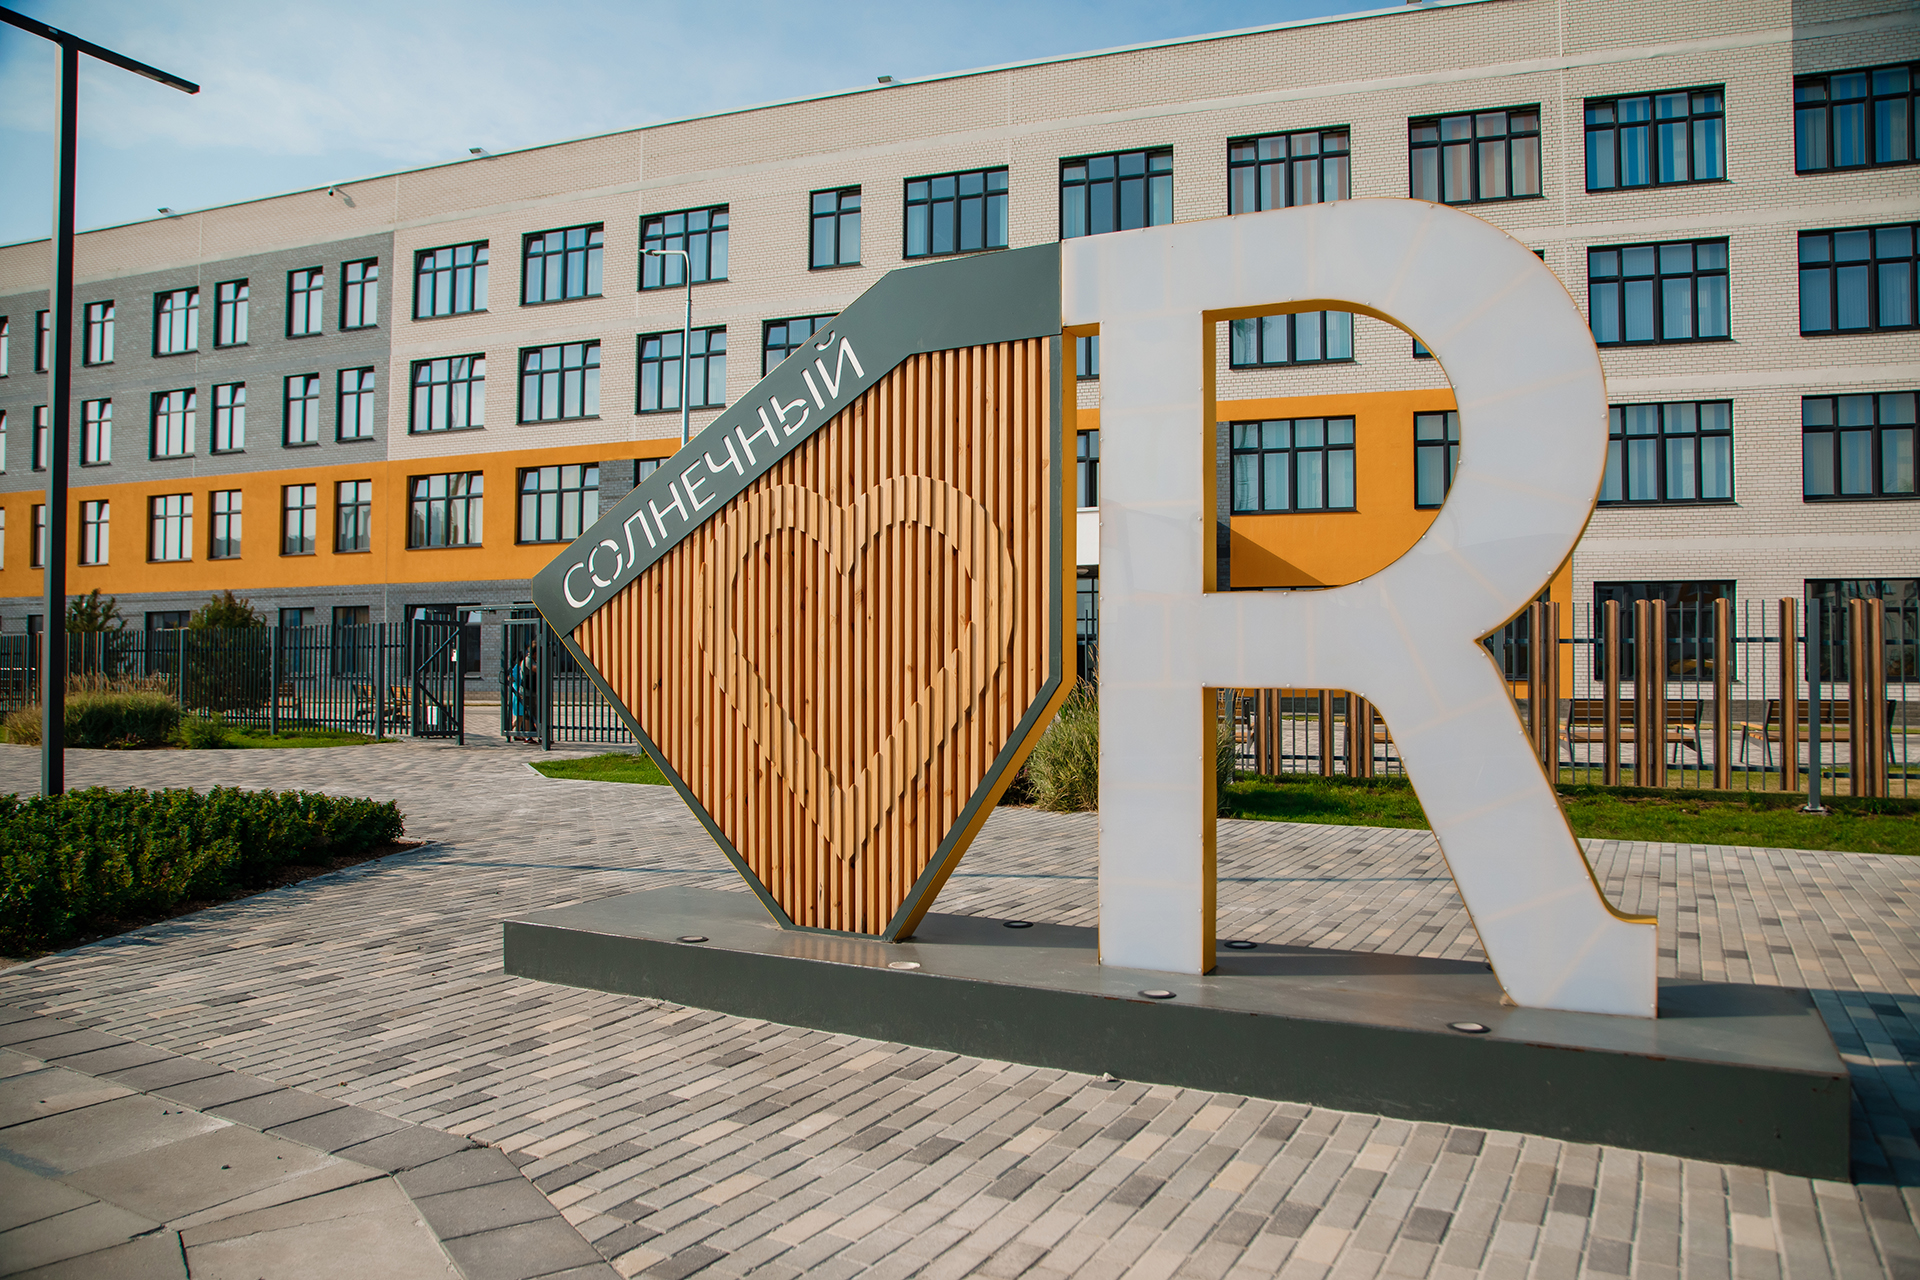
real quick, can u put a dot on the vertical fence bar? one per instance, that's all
(1722, 695)
(1326, 733)
(1789, 716)
(1610, 696)
(1866, 736)
(1816, 633)
(546, 651)
(273, 681)
(1359, 736)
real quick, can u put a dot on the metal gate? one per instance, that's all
(544, 695)
(439, 676)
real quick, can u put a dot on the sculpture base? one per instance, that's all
(1735, 1074)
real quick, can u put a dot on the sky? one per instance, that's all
(298, 96)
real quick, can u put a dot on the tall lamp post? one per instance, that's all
(686, 339)
(53, 665)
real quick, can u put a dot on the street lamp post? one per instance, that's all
(53, 660)
(686, 340)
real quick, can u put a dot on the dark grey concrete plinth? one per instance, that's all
(1738, 1074)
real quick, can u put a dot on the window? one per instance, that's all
(660, 370)
(176, 322)
(303, 409)
(450, 281)
(42, 342)
(6, 347)
(1307, 338)
(1656, 138)
(3, 536)
(306, 296)
(644, 467)
(98, 348)
(1669, 452)
(449, 394)
(301, 504)
(1857, 280)
(1086, 469)
(1848, 119)
(1689, 624)
(1436, 455)
(1298, 464)
(1116, 192)
(1857, 446)
(1283, 169)
(230, 417)
(353, 516)
(173, 423)
(445, 510)
(293, 620)
(783, 337)
(700, 233)
(226, 525)
(3, 442)
(956, 213)
(560, 382)
(230, 314)
(1492, 155)
(1899, 597)
(558, 503)
(39, 537)
(167, 619)
(1086, 356)
(94, 529)
(1086, 623)
(360, 294)
(172, 527)
(354, 419)
(42, 435)
(563, 264)
(1674, 292)
(836, 229)
(96, 433)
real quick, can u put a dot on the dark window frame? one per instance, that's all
(1259, 452)
(187, 411)
(1813, 96)
(310, 396)
(170, 318)
(1625, 465)
(835, 218)
(1885, 433)
(566, 375)
(306, 301)
(430, 272)
(223, 418)
(1874, 272)
(705, 245)
(788, 344)
(96, 532)
(1253, 333)
(988, 207)
(366, 402)
(96, 429)
(96, 347)
(1702, 120)
(360, 296)
(224, 528)
(1086, 357)
(561, 505)
(299, 524)
(1081, 201)
(563, 271)
(1474, 141)
(1445, 446)
(700, 391)
(1900, 598)
(467, 496)
(1086, 469)
(1621, 281)
(1689, 627)
(352, 517)
(230, 313)
(1257, 163)
(465, 384)
(172, 527)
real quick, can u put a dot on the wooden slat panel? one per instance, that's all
(833, 663)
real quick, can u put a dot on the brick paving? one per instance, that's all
(680, 1141)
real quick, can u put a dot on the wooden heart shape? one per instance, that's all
(847, 810)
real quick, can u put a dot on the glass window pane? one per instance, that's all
(1639, 310)
(1816, 303)
(1896, 461)
(1275, 481)
(1245, 479)
(1896, 294)
(1340, 478)
(1676, 308)
(1643, 470)
(1680, 458)
(1856, 462)
(1711, 296)
(1850, 301)
(1309, 480)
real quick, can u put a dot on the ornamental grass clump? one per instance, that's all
(87, 859)
(1063, 773)
(106, 717)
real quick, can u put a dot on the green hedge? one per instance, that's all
(99, 855)
(131, 718)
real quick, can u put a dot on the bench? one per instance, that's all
(286, 703)
(1836, 725)
(1587, 722)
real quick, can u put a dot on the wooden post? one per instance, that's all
(1656, 653)
(1866, 731)
(1326, 733)
(1359, 736)
(1536, 677)
(1610, 696)
(1789, 697)
(1722, 694)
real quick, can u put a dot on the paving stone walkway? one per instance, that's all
(678, 1141)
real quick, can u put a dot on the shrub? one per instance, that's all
(202, 733)
(73, 860)
(1063, 773)
(106, 718)
(224, 612)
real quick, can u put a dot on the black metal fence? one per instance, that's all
(544, 695)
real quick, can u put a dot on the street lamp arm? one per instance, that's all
(93, 50)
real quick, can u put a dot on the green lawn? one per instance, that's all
(617, 766)
(255, 739)
(1610, 813)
